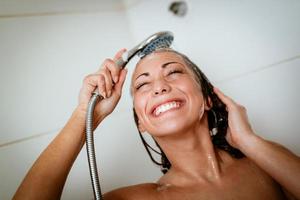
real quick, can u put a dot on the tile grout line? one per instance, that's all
(28, 138)
(69, 12)
(287, 60)
(49, 13)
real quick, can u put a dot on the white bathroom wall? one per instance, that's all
(249, 49)
(43, 60)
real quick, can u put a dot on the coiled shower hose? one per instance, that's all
(90, 147)
(89, 136)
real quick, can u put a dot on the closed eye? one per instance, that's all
(175, 71)
(141, 85)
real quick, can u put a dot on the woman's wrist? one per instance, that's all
(248, 142)
(81, 112)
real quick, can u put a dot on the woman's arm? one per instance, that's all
(281, 164)
(47, 176)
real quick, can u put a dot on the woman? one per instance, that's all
(172, 104)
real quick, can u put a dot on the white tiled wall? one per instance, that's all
(250, 49)
(43, 62)
(272, 101)
(16, 159)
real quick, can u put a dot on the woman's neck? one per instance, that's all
(192, 155)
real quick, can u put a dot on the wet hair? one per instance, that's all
(217, 118)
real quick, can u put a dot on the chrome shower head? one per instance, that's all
(156, 41)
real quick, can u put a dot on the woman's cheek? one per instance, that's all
(140, 103)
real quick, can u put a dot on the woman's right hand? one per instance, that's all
(108, 80)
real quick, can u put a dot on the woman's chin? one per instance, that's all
(169, 129)
(172, 123)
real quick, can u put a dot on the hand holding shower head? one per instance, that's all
(156, 41)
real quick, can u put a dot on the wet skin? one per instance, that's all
(240, 179)
(199, 171)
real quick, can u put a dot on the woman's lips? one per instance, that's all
(167, 106)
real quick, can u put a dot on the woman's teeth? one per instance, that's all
(165, 107)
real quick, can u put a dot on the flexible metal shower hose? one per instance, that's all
(91, 148)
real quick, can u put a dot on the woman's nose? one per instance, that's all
(161, 87)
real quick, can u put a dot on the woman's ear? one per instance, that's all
(208, 104)
(141, 127)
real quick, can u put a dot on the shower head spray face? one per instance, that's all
(164, 41)
(156, 41)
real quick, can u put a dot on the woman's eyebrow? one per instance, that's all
(163, 66)
(168, 63)
(143, 74)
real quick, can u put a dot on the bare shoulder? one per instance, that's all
(270, 181)
(244, 167)
(256, 171)
(260, 176)
(139, 191)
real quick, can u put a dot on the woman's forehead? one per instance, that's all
(156, 59)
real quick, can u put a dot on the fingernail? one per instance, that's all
(116, 79)
(104, 95)
(109, 93)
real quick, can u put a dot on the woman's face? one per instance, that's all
(166, 96)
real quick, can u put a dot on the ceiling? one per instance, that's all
(21, 8)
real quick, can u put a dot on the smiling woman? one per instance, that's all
(208, 148)
(172, 71)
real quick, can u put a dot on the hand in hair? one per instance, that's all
(282, 165)
(239, 127)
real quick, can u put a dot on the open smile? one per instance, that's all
(167, 106)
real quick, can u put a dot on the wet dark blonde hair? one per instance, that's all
(217, 117)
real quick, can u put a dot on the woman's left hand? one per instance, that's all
(239, 127)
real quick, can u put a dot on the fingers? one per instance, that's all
(230, 103)
(110, 66)
(119, 54)
(119, 85)
(91, 82)
(225, 99)
(109, 76)
(108, 81)
(110, 72)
